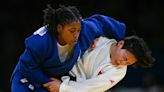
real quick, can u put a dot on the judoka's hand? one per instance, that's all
(93, 45)
(53, 86)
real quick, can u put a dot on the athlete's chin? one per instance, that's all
(119, 65)
(72, 43)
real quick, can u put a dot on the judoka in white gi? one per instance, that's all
(104, 66)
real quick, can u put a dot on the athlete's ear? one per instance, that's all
(93, 45)
(121, 43)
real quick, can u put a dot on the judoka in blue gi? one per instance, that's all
(53, 49)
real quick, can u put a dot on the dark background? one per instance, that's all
(20, 18)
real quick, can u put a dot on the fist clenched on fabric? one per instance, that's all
(53, 86)
(93, 45)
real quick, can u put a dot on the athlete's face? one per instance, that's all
(122, 57)
(69, 33)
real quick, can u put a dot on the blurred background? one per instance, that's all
(20, 18)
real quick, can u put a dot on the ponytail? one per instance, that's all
(61, 16)
(49, 20)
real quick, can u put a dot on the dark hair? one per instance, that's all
(63, 15)
(139, 48)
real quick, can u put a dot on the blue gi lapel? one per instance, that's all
(63, 68)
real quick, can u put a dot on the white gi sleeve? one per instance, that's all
(106, 78)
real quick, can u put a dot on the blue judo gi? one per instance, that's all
(40, 60)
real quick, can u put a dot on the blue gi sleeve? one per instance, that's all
(107, 26)
(30, 60)
(100, 25)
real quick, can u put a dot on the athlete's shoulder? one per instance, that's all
(39, 35)
(104, 41)
(41, 31)
(39, 39)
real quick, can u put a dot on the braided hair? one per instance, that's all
(63, 15)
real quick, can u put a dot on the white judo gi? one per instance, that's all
(94, 72)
